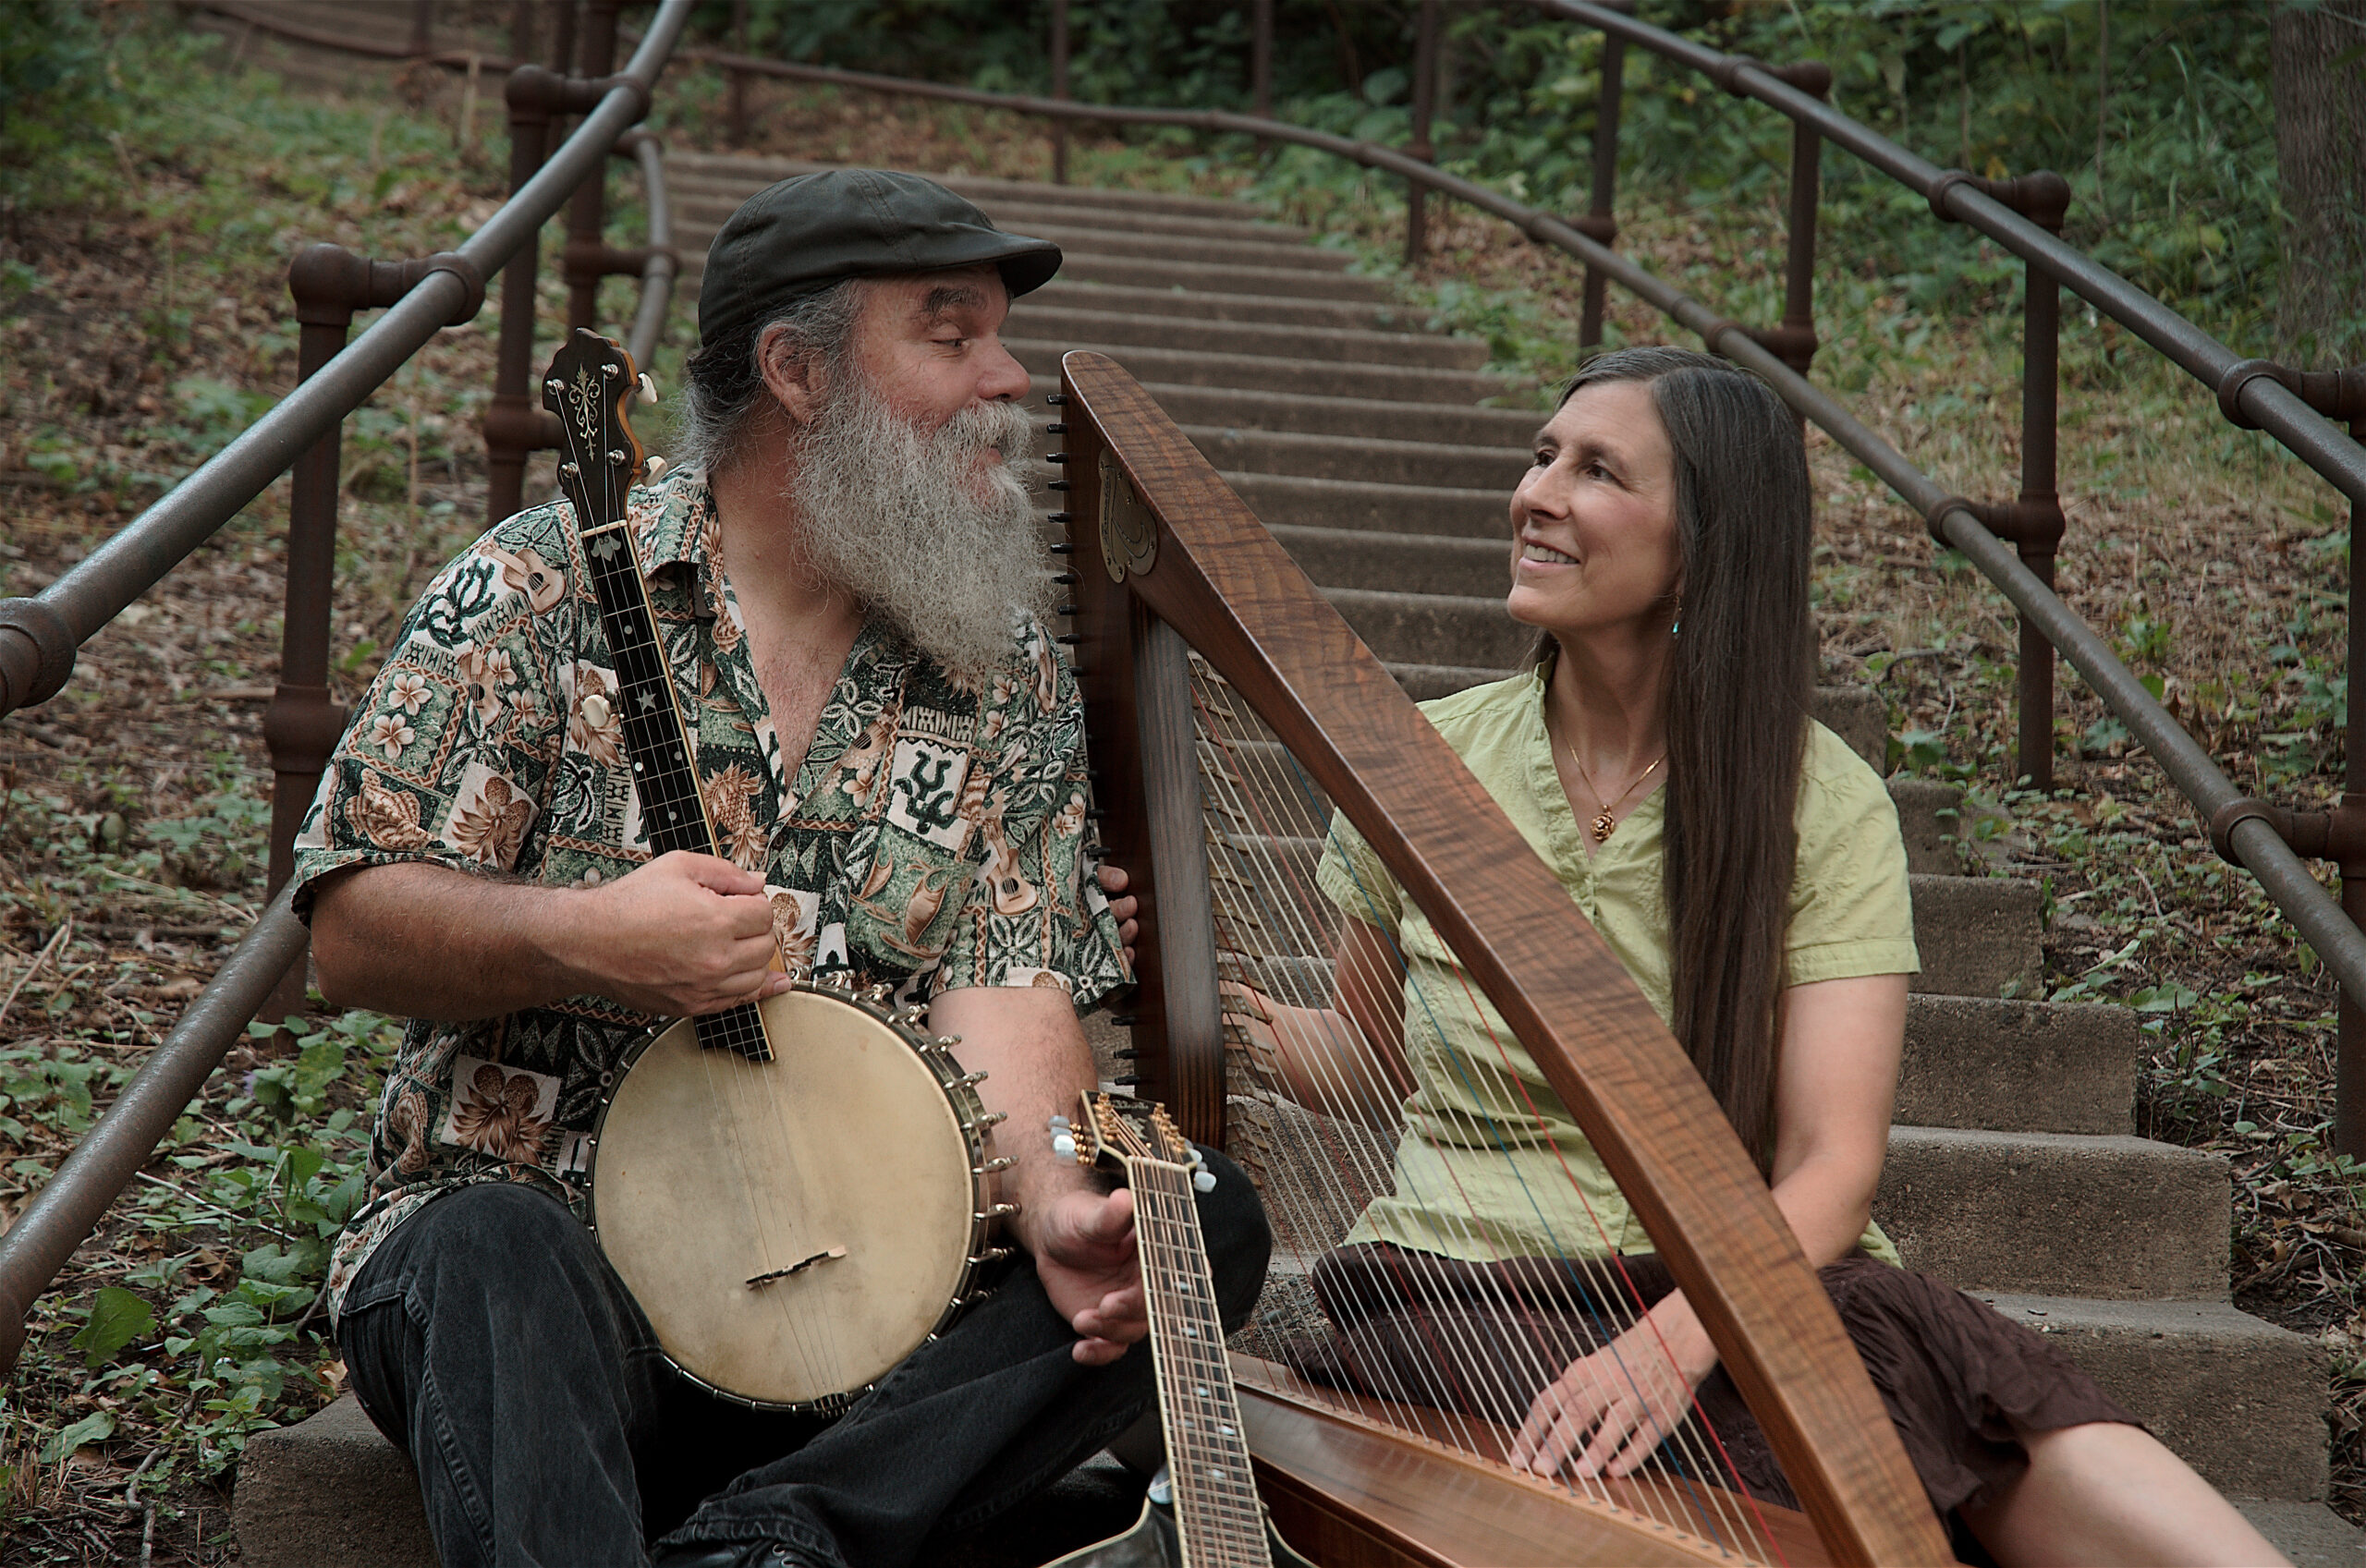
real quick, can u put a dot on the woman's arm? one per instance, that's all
(1346, 1059)
(1834, 1079)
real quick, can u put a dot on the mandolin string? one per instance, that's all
(1214, 1491)
(1231, 791)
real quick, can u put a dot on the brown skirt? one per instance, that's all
(1485, 1338)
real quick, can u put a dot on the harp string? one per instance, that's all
(1276, 934)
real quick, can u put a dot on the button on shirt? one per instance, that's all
(1491, 1165)
(931, 838)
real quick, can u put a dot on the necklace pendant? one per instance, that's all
(1601, 825)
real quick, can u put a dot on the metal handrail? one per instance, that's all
(33, 665)
(659, 268)
(2254, 842)
(62, 1214)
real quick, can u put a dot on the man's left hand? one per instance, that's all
(1084, 1255)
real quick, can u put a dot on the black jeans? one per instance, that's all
(489, 1339)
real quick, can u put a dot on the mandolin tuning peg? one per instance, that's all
(1204, 1180)
(1064, 1145)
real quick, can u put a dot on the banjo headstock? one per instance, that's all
(600, 458)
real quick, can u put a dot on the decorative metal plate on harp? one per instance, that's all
(1232, 714)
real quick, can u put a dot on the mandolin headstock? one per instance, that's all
(600, 458)
(1119, 1133)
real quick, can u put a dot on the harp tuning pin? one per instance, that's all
(1055, 428)
(648, 388)
(1056, 398)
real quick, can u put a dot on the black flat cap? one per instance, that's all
(805, 234)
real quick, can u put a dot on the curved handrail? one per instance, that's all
(70, 611)
(57, 1218)
(2308, 435)
(659, 267)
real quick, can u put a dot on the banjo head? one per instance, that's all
(841, 1176)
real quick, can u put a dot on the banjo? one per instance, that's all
(735, 1186)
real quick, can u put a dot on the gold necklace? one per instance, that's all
(1606, 819)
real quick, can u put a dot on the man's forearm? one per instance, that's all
(427, 942)
(1036, 1062)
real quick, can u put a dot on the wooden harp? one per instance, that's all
(1208, 662)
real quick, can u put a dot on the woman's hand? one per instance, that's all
(1607, 1411)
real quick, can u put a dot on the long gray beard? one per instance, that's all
(893, 517)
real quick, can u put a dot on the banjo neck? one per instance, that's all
(586, 386)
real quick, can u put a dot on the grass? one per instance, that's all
(143, 322)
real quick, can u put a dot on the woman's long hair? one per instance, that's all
(1741, 680)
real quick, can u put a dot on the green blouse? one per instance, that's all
(1491, 1165)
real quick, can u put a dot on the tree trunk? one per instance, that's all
(2320, 162)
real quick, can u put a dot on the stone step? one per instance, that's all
(2112, 1217)
(1282, 500)
(759, 171)
(1347, 558)
(1139, 271)
(1349, 345)
(2018, 1066)
(1978, 936)
(2310, 1535)
(2241, 1400)
(1323, 378)
(1280, 310)
(1455, 424)
(1446, 627)
(697, 219)
(1414, 464)
(1928, 813)
(709, 198)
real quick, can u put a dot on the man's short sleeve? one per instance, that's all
(1851, 912)
(1035, 913)
(448, 756)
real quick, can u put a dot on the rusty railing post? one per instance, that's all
(2349, 831)
(1261, 65)
(737, 113)
(1794, 342)
(1425, 78)
(587, 214)
(2033, 522)
(510, 426)
(422, 26)
(2041, 522)
(1598, 225)
(1060, 89)
(329, 283)
(563, 38)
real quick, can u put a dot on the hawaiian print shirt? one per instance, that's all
(932, 837)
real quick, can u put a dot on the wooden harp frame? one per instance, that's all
(1164, 554)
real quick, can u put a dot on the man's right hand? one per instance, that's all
(683, 935)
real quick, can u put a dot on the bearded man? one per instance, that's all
(847, 573)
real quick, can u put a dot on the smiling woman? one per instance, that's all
(1746, 869)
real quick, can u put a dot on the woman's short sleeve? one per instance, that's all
(1851, 912)
(1351, 876)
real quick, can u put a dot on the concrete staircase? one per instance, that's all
(1359, 439)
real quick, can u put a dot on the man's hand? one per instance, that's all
(1084, 1255)
(683, 935)
(1115, 882)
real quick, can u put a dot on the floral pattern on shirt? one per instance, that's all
(932, 837)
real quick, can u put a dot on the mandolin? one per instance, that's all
(1216, 1519)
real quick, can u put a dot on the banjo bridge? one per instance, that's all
(760, 1281)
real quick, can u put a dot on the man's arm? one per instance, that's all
(681, 935)
(1026, 1039)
